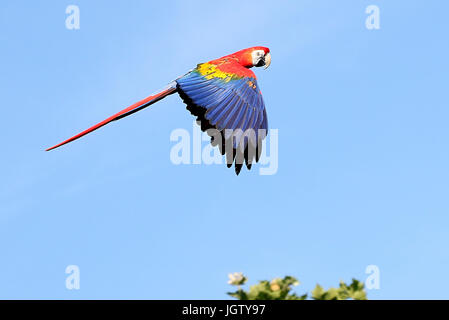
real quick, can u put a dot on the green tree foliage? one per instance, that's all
(281, 289)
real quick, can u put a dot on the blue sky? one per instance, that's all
(363, 150)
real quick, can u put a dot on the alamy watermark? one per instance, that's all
(372, 22)
(72, 282)
(72, 22)
(372, 282)
(248, 146)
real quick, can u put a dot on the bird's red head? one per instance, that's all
(253, 57)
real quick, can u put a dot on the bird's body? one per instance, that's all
(224, 96)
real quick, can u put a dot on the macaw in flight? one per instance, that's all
(224, 96)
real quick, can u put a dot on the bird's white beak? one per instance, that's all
(267, 60)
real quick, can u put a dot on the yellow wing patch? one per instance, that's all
(210, 71)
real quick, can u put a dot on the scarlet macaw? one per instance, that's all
(224, 96)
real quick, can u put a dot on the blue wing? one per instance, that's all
(227, 104)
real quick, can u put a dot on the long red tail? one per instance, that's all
(124, 113)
